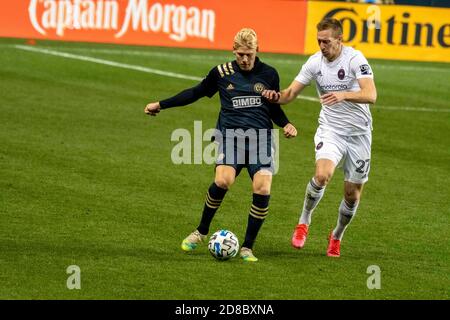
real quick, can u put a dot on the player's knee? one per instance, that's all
(352, 196)
(224, 182)
(322, 179)
(262, 189)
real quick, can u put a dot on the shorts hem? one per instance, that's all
(363, 181)
(328, 157)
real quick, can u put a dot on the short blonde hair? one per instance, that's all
(330, 23)
(246, 37)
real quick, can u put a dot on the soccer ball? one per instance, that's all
(223, 245)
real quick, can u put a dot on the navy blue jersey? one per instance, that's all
(242, 106)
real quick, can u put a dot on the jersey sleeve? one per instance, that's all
(307, 73)
(278, 116)
(360, 68)
(276, 113)
(206, 88)
(209, 83)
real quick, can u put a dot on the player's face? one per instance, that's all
(245, 58)
(329, 45)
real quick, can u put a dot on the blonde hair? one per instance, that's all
(330, 23)
(246, 37)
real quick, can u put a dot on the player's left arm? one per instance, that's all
(280, 119)
(361, 70)
(277, 114)
(366, 94)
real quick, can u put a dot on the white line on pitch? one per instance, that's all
(109, 63)
(179, 75)
(201, 57)
(164, 54)
(384, 107)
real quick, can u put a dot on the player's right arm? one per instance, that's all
(152, 108)
(304, 78)
(285, 96)
(289, 94)
(208, 87)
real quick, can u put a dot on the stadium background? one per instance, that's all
(87, 180)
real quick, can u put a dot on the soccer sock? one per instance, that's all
(346, 213)
(313, 194)
(258, 212)
(214, 198)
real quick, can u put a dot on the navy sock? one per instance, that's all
(258, 212)
(214, 198)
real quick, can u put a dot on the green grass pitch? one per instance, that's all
(86, 179)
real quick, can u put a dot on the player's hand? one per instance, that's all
(152, 108)
(331, 98)
(271, 95)
(290, 131)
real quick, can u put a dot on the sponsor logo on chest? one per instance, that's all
(247, 101)
(334, 80)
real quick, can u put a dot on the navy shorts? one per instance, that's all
(254, 152)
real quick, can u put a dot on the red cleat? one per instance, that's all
(299, 236)
(334, 246)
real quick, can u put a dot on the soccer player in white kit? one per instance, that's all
(345, 85)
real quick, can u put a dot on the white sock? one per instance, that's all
(346, 213)
(313, 195)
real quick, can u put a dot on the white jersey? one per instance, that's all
(342, 74)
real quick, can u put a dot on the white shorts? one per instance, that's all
(352, 153)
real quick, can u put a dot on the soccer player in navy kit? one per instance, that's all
(240, 84)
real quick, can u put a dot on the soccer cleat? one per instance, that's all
(299, 236)
(247, 255)
(191, 242)
(334, 246)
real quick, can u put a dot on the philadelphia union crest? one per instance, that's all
(259, 87)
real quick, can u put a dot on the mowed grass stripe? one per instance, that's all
(186, 77)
